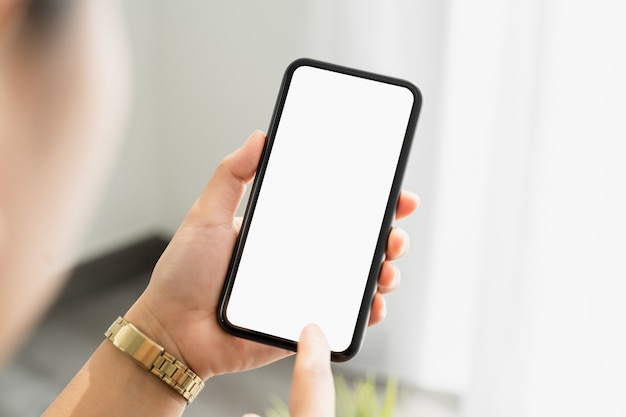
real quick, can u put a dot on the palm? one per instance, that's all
(187, 283)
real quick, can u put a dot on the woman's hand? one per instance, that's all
(179, 307)
(312, 387)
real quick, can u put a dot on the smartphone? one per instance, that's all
(315, 229)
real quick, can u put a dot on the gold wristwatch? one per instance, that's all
(152, 357)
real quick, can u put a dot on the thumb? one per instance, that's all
(220, 198)
(312, 389)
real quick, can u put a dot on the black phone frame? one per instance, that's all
(379, 254)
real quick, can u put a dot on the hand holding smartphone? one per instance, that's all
(321, 207)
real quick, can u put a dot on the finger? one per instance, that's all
(220, 198)
(389, 278)
(378, 311)
(397, 243)
(237, 223)
(407, 204)
(250, 415)
(312, 389)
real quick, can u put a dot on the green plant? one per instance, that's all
(360, 400)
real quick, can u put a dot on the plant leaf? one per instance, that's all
(344, 398)
(391, 397)
(279, 408)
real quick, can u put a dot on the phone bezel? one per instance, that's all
(379, 254)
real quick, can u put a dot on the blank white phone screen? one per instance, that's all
(320, 209)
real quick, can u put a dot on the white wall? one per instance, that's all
(207, 74)
(221, 67)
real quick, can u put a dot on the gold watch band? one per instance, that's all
(152, 357)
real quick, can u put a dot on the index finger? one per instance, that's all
(313, 388)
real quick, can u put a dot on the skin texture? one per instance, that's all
(62, 107)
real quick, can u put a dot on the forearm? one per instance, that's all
(112, 384)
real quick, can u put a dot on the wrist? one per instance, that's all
(152, 357)
(142, 317)
(110, 384)
(171, 332)
(141, 384)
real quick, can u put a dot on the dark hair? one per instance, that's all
(43, 16)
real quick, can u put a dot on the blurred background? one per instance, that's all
(512, 298)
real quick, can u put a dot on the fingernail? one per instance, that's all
(396, 276)
(405, 243)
